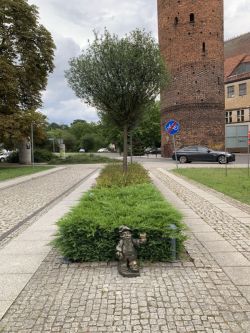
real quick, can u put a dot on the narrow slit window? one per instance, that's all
(204, 47)
(191, 18)
(176, 20)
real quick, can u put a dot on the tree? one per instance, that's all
(120, 78)
(149, 130)
(26, 59)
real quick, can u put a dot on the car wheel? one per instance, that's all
(222, 159)
(183, 159)
(2, 159)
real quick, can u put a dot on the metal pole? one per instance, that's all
(226, 155)
(32, 144)
(248, 162)
(131, 148)
(53, 145)
(175, 152)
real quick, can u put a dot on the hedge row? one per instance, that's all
(90, 231)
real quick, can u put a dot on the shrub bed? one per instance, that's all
(90, 231)
(113, 175)
(82, 159)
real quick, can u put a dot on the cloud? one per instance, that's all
(72, 23)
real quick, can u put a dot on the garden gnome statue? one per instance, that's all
(126, 252)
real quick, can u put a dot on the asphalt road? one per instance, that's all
(241, 159)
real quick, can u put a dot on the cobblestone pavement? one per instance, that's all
(236, 233)
(193, 295)
(20, 201)
(85, 298)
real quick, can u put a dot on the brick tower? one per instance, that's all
(191, 42)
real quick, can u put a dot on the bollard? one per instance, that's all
(173, 227)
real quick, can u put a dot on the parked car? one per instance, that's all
(151, 150)
(202, 154)
(81, 150)
(103, 150)
(3, 157)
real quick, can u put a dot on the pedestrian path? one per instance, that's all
(224, 230)
(21, 257)
(207, 292)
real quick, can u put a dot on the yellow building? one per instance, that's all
(237, 92)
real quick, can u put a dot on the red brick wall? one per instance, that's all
(195, 96)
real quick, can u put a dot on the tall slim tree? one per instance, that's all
(26, 58)
(119, 77)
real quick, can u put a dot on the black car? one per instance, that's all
(151, 150)
(202, 154)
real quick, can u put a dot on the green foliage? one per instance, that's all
(81, 158)
(42, 155)
(90, 231)
(13, 172)
(13, 157)
(26, 56)
(236, 184)
(113, 175)
(148, 132)
(119, 77)
(26, 59)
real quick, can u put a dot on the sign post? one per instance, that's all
(172, 128)
(248, 145)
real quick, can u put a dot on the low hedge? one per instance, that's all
(90, 231)
(113, 175)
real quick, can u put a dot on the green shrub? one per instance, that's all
(90, 231)
(113, 175)
(13, 157)
(42, 155)
(81, 158)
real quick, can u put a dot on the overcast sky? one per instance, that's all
(72, 23)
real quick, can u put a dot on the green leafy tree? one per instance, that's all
(119, 77)
(26, 59)
(149, 130)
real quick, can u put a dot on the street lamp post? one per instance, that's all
(32, 143)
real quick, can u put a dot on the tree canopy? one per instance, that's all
(119, 77)
(26, 59)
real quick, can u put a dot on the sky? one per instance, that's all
(71, 24)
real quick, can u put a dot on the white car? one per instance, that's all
(3, 157)
(82, 150)
(103, 150)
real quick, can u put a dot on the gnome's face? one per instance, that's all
(126, 234)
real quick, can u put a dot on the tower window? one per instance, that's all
(176, 20)
(191, 16)
(204, 47)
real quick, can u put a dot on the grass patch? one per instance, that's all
(90, 231)
(113, 175)
(236, 184)
(13, 172)
(82, 158)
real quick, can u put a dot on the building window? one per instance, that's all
(230, 91)
(240, 116)
(229, 118)
(204, 48)
(192, 18)
(176, 21)
(242, 89)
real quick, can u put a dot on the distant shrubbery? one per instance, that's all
(113, 175)
(81, 159)
(90, 231)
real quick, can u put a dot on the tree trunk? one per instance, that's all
(25, 152)
(125, 149)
